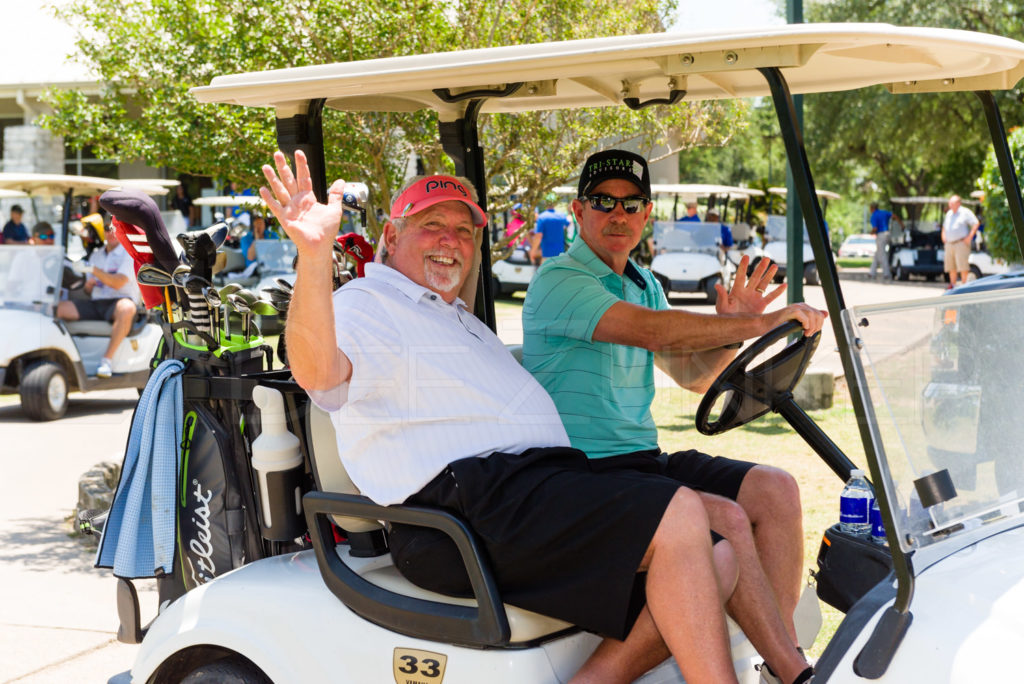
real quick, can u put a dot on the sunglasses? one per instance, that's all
(606, 203)
(45, 236)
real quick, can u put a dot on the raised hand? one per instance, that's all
(748, 295)
(312, 226)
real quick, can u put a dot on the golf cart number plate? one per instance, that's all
(419, 667)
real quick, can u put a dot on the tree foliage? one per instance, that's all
(897, 145)
(1000, 238)
(148, 53)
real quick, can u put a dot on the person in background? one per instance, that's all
(725, 239)
(514, 224)
(258, 231)
(880, 219)
(182, 203)
(958, 229)
(110, 281)
(548, 232)
(691, 212)
(15, 232)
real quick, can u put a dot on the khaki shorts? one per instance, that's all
(956, 256)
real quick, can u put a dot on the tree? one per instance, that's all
(1000, 238)
(150, 52)
(914, 145)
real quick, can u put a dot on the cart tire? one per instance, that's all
(227, 671)
(811, 274)
(899, 273)
(44, 391)
(709, 289)
(974, 273)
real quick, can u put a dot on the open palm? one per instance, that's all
(310, 224)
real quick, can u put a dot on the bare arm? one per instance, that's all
(111, 280)
(688, 346)
(316, 362)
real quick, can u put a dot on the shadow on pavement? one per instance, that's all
(43, 545)
(12, 413)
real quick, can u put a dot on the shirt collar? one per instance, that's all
(398, 280)
(581, 252)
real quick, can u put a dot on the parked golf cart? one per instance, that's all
(948, 612)
(776, 235)
(43, 358)
(692, 256)
(916, 248)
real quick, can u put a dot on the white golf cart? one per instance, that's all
(43, 358)
(775, 232)
(949, 610)
(690, 256)
(916, 249)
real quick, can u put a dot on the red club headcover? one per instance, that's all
(358, 248)
(133, 239)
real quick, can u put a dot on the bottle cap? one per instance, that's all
(856, 472)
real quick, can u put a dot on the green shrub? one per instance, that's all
(999, 234)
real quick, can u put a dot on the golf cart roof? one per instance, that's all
(600, 72)
(696, 190)
(230, 201)
(12, 194)
(928, 200)
(826, 194)
(53, 184)
(150, 182)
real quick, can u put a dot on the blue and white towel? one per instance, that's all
(138, 537)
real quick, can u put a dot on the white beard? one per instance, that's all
(443, 279)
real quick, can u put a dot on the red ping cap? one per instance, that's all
(432, 190)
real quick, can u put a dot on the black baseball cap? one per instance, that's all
(615, 164)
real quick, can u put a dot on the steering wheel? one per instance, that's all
(752, 393)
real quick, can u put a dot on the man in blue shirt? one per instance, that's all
(880, 219)
(549, 233)
(726, 239)
(15, 232)
(691, 212)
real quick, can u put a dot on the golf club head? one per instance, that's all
(230, 288)
(249, 296)
(239, 304)
(179, 274)
(284, 284)
(262, 307)
(212, 297)
(150, 274)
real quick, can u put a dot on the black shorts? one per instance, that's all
(96, 309)
(712, 474)
(562, 540)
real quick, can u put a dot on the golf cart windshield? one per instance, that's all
(946, 395)
(275, 256)
(687, 236)
(775, 227)
(30, 275)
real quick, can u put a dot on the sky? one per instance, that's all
(702, 15)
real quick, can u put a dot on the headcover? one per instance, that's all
(433, 190)
(358, 248)
(609, 164)
(138, 209)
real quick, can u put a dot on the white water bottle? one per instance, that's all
(855, 505)
(277, 460)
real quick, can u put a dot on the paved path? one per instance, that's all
(58, 620)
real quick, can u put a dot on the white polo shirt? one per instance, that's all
(430, 384)
(116, 260)
(958, 224)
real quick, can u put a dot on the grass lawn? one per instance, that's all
(852, 262)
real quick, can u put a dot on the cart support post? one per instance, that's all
(1006, 169)
(797, 156)
(461, 141)
(306, 132)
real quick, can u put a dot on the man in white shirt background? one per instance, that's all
(110, 282)
(958, 229)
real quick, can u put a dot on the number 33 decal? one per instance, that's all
(413, 667)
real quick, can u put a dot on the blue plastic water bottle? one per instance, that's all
(877, 528)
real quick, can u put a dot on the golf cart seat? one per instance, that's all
(332, 480)
(105, 328)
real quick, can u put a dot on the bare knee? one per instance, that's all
(726, 568)
(684, 523)
(124, 309)
(67, 311)
(770, 493)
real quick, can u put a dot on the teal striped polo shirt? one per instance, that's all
(602, 391)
